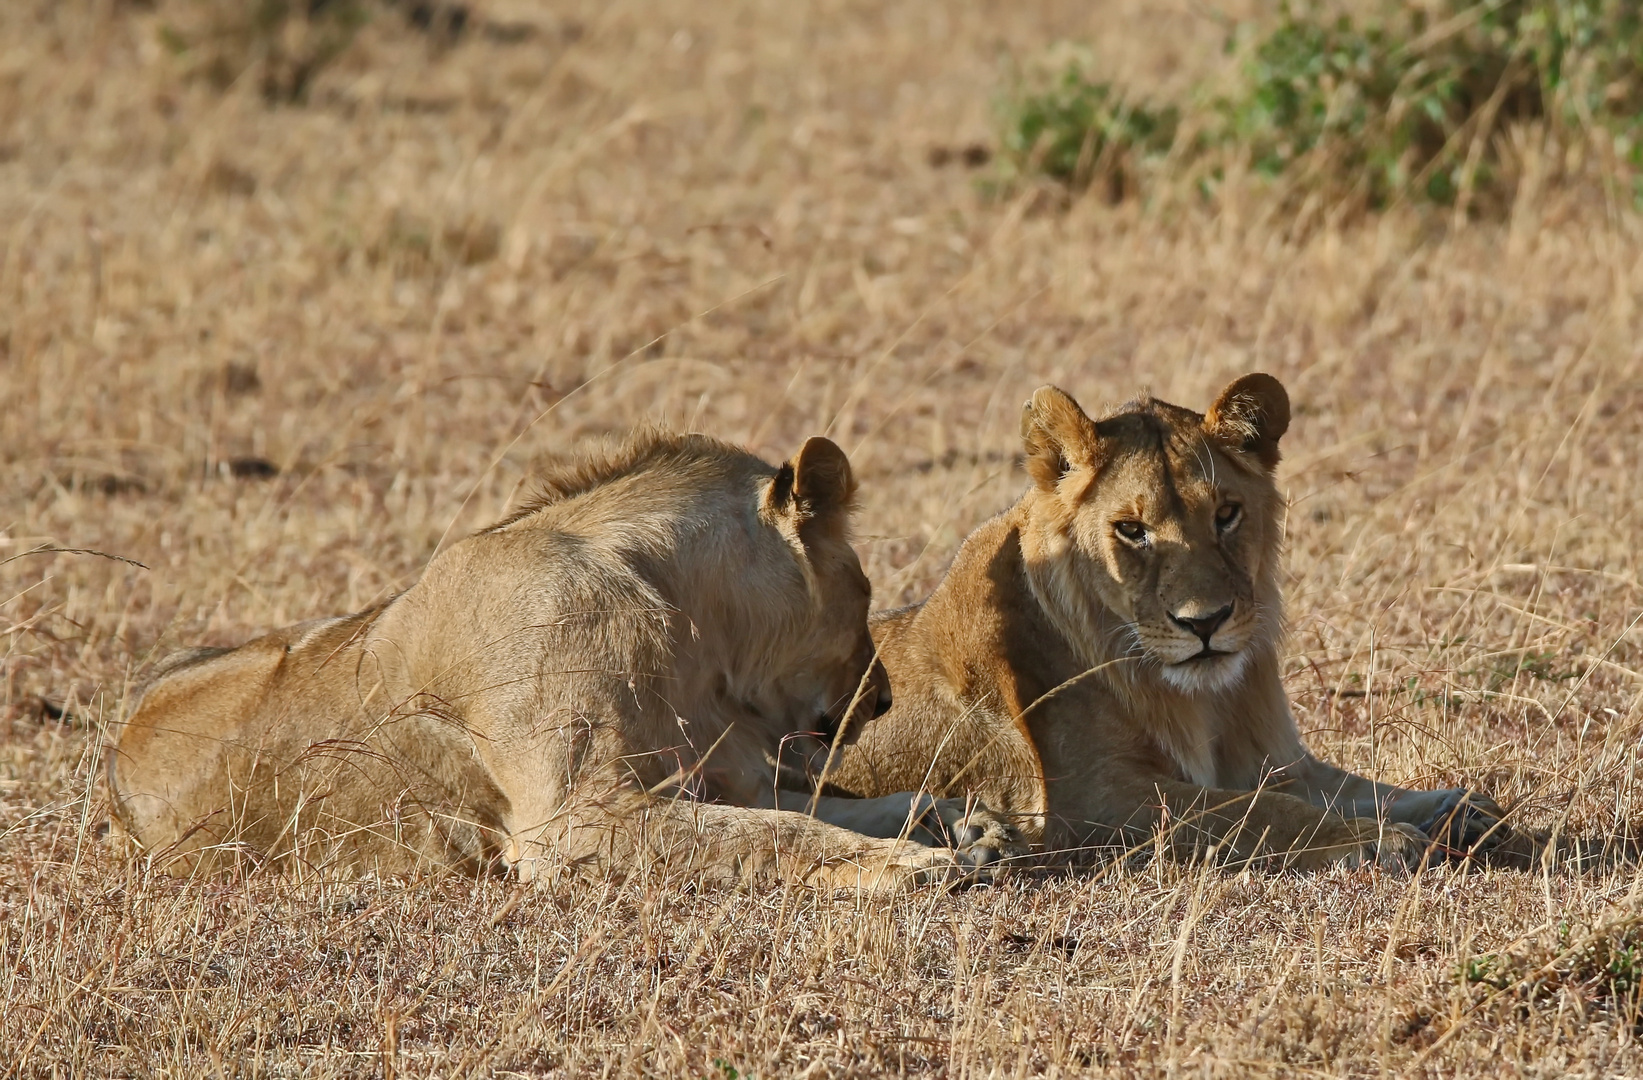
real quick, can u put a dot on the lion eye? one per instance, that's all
(1227, 516)
(1133, 531)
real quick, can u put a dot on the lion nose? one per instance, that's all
(1204, 626)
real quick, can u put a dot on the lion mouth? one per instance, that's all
(1207, 654)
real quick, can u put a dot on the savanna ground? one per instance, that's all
(278, 352)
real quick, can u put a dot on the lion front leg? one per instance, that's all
(630, 834)
(1357, 842)
(1246, 826)
(966, 826)
(1461, 821)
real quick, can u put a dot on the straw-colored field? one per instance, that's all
(277, 354)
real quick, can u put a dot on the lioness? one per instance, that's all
(605, 676)
(1102, 658)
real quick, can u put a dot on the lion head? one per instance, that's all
(769, 599)
(1155, 531)
(832, 676)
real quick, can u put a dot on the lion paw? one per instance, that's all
(1465, 822)
(918, 866)
(968, 828)
(1388, 845)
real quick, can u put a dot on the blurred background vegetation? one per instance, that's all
(1446, 101)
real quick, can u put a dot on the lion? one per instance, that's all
(603, 679)
(1101, 662)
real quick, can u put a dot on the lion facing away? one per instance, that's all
(604, 678)
(1102, 659)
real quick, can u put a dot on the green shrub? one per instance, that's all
(1345, 98)
(1411, 100)
(1058, 121)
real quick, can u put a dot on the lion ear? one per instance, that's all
(1056, 435)
(1252, 414)
(817, 485)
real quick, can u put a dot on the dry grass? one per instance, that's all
(454, 256)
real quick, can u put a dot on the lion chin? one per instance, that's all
(1211, 673)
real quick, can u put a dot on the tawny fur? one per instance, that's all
(1056, 673)
(601, 681)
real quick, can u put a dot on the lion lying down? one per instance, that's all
(604, 679)
(1102, 658)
